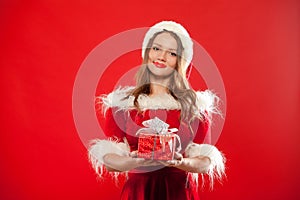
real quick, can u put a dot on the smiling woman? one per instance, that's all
(162, 57)
(162, 97)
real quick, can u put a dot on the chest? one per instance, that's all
(134, 120)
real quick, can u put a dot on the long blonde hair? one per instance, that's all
(178, 86)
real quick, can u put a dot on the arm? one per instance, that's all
(115, 157)
(196, 163)
(201, 158)
(116, 163)
(106, 153)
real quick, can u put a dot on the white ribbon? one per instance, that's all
(158, 125)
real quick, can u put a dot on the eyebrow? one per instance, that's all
(162, 46)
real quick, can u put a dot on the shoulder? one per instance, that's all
(117, 98)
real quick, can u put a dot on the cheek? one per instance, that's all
(152, 55)
(172, 62)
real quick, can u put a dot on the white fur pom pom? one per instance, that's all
(99, 148)
(217, 167)
(207, 101)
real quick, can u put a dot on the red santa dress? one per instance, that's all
(122, 121)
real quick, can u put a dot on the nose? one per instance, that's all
(162, 55)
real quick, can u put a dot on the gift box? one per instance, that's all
(157, 142)
(153, 146)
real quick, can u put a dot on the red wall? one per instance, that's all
(255, 45)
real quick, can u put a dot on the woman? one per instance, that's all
(161, 91)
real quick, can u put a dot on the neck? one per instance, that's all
(158, 89)
(159, 85)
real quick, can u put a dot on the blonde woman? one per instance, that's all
(162, 91)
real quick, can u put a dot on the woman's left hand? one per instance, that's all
(178, 159)
(199, 164)
(134, 154)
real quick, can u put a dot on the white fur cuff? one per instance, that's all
(99, 148)
(217, 167)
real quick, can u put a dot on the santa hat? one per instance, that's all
(180, 31)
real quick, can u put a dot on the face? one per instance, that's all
(163, 55)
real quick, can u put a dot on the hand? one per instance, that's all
(177, 161)
(142, 161)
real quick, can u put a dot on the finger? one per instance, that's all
(178, 156)
(133, 154)
(171, 162)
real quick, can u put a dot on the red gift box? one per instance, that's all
(152, 146)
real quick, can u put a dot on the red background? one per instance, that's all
(255, 44)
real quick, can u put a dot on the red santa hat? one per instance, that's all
(180, 31)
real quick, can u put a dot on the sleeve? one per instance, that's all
(202, 131)
(201, 144)
(113, 124)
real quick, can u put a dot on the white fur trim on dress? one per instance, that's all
(206, 101)
(217, 166)
(99, 148)
(118, 98)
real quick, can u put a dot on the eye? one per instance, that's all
(173, 54)
(155, 48)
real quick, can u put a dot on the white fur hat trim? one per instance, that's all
(178, 29)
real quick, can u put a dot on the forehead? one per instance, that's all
(166, 40)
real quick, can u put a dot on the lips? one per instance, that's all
(159, 65)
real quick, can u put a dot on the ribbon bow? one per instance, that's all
(159, 126)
